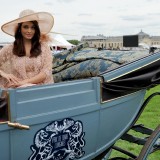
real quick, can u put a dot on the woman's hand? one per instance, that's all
(18, 84)
(9, 77)
(14, 82)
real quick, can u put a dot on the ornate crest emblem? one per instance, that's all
(60, 140)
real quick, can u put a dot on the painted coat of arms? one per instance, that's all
(60, 140)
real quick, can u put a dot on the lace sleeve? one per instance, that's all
(5, 58)
(5, 54)
(47, 60)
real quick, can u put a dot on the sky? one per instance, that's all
(77, 18)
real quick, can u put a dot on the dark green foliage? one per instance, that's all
(75, 42)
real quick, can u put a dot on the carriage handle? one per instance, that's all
(4, 98)
(18, 125)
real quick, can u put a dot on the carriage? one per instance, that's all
(85, 112)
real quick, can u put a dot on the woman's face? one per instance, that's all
(27, 30)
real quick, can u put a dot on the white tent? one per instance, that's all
(156, 45)
(59, 41)
(144, 45)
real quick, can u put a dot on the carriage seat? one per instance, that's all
(90, 62)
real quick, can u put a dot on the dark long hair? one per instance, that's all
(19, 49)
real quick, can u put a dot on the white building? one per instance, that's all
(116, 42)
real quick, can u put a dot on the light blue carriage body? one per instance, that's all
(69, 120)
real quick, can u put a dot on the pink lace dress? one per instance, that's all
(26, 67)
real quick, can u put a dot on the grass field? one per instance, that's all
(150, 118)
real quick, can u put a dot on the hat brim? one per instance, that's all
(45, 21)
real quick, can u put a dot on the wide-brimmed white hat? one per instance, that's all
(45, 21)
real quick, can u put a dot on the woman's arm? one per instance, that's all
(47, 61)
(6, 54)
(9, 77)
(5, 57)
(34, 80)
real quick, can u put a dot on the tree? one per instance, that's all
(75, 42)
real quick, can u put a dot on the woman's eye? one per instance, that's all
(26, 27)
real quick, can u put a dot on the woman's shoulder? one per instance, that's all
(8, 47)
(44, 45)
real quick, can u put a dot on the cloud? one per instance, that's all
(154, 14)
(48, 3)
(65, 1)
(84, 14)
(89, 24)
(84, 17)
(152, 1)
(133, 18)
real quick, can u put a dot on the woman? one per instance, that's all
(29, 57)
